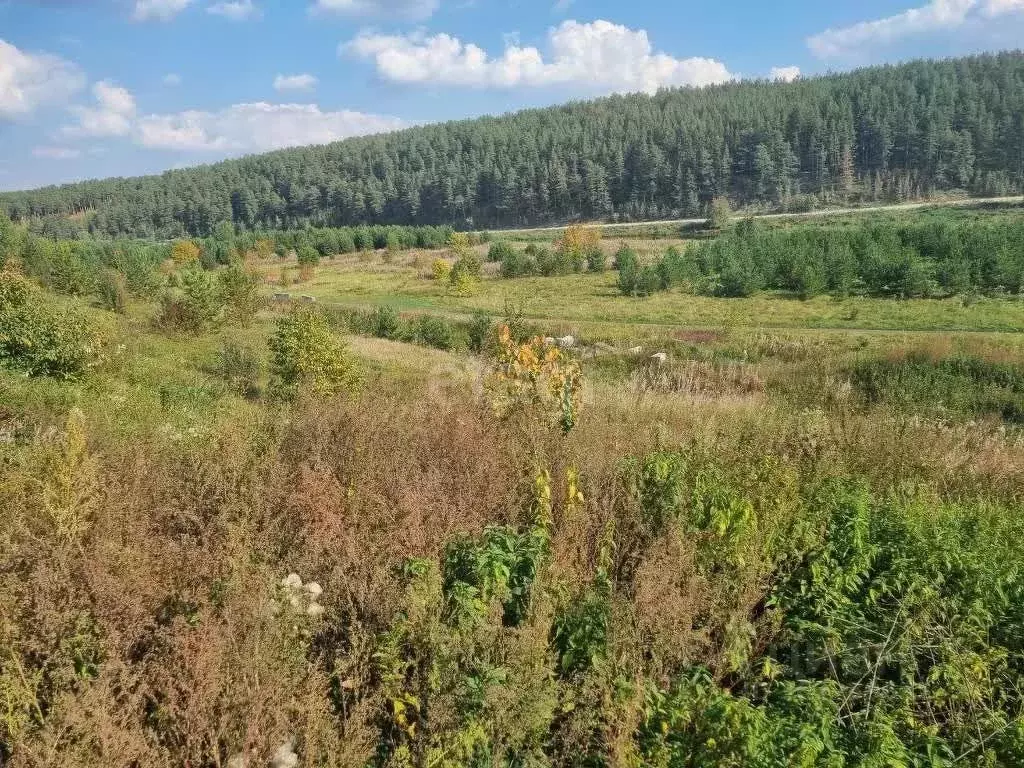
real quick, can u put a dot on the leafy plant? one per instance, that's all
(40, 340)
(435, 332)
(307, 357)
(535, 375)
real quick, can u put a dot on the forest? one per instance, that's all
(876, 134)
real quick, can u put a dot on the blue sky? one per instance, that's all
(92, 88)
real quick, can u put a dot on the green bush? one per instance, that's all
(112, 290)
(239, 289)
(480, 329)
(196, 305)
(435, 332)
(307, 357)
(385, 323)
(628, 264)
(517, 264)
(307, 256)
(40, 340)
(548, 262)
(499, 251)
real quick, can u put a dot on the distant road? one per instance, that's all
(967, 202)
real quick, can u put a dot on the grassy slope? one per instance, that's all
(593, 301)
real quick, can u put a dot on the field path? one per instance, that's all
(967, 202)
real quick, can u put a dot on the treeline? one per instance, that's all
(882, 133)
(910, 260)
(91, 266)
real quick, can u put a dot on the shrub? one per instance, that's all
(195, 306)
(576, 245)
(465, 273)
(719, 213)
(628, 264)
(548, 262)
(184, 252)
(112, 290)
(240, 367)
(517, 264)
(440, 270)
(239, 290)
(480, 327)
(307, 357)
(459, 244)
(499, 251)
(385, 323)
(344, 242)
(674, 269)
(307, 256)
(435, 332)
(647, 281)
(596, 260)
(37, 339)
(59, 267)
(738, 278)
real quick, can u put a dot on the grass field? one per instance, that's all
(593, 304)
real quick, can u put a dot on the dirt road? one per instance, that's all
(971, 201)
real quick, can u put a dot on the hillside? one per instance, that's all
(882, 133)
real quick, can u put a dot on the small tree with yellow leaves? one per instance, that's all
(440, 270)
(535, 376)
(185, 252)
(458, 244)
(466, 271)
(578, 245)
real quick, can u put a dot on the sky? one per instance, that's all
(97, 88)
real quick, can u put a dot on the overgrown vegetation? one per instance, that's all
(384, 529)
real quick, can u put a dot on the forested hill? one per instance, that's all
(880, 133)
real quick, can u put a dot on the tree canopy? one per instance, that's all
(881, 133)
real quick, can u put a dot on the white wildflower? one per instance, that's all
(285, 756)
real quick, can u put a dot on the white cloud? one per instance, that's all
(303, 82)
(172, 79)
(158, 10)
(236, 10)
(936, 16)
(414, 10)
(599, 56)
(994, 8)
(785, 74)
(561, 6)
(56, 153)
(113, 114)
(31, 80)
(256, 127)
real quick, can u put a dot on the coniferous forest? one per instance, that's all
(883, 133)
